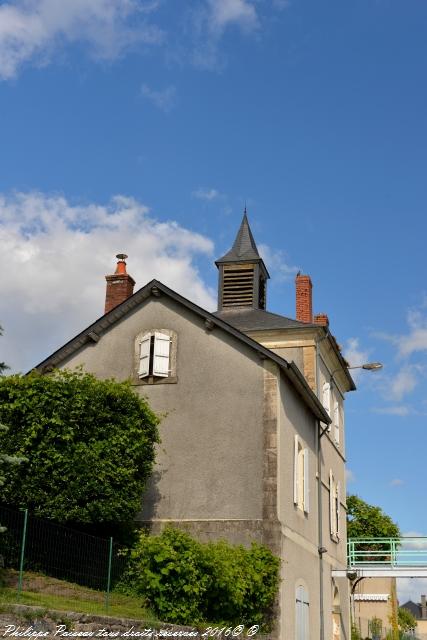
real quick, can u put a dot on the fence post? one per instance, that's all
(110, 559)
(21, 560)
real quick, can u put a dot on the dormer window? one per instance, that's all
(156, 356)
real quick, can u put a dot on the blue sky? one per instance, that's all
(143, 126)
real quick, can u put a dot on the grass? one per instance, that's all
(50, 593)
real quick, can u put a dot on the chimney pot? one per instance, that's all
(423, 608)
(304, 300)
(119, 285)
(322, 319)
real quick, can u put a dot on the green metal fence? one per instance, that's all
(395, 552)
(46, 563)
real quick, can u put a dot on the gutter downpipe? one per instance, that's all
(320, 433)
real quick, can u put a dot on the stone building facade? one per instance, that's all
(253, 444)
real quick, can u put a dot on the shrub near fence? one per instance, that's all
(32, 544)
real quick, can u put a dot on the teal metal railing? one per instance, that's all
(394, 552)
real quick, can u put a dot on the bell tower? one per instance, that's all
(242, 273)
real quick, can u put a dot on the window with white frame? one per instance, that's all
(301, 476)
(334, 507)
(302, 614)
(156, 355)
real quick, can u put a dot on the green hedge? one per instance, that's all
(89, 444)
(187, 582)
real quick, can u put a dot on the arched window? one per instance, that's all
(302, 608)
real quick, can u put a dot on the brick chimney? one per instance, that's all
(304, 302)
(322, 319)
(423, 608)
(119, 285)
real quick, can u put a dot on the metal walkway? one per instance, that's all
(385, 558)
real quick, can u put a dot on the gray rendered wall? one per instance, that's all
(210, 462)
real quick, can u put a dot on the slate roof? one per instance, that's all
(244, 247)
(246, 319)
(94, 332)
(414, 608)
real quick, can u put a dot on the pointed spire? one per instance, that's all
(244, 247)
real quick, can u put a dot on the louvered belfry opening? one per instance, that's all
(242, 273)
(238, 285)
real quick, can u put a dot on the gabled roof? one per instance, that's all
(244, 247)
(155, 288)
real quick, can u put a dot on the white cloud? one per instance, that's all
(32, 30)
(396, 482)
(211, 19)
(56, 256)
(277, 263)
(404, 382)
(206, 194)
(415, 339)
(354, 353)
(224, 13)
(163, 99)
(349, 476)
(355, 356)
(397, 410)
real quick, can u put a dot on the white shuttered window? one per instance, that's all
(296, 479)
(306, 482)
(334, 507)
(302, 610)
(337, 509)
(144, 356)
(337, 425)
(301, 476)
(154, 355)
(161, 355)
(326, 398)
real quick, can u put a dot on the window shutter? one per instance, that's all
(331, 502)
(144, 356)
(326, 399)
(338, 508)
(337, 422)
(296, 470)
(300, 634)
(306, 482)
(161, 354)
(306, 616)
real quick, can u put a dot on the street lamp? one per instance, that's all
(368, 366)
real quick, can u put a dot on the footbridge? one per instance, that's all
(385, 558)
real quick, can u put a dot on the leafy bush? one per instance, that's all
(186, 582)
(89, 445)
(243, 583)
(355, 633)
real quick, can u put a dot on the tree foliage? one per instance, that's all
(3, 366)
(406, 620)
(367, 521)
(90, 446)
(186, 582)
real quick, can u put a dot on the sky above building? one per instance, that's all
(144, 126)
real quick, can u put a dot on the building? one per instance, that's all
(419, 611)
(253, 444)
(375, 598)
